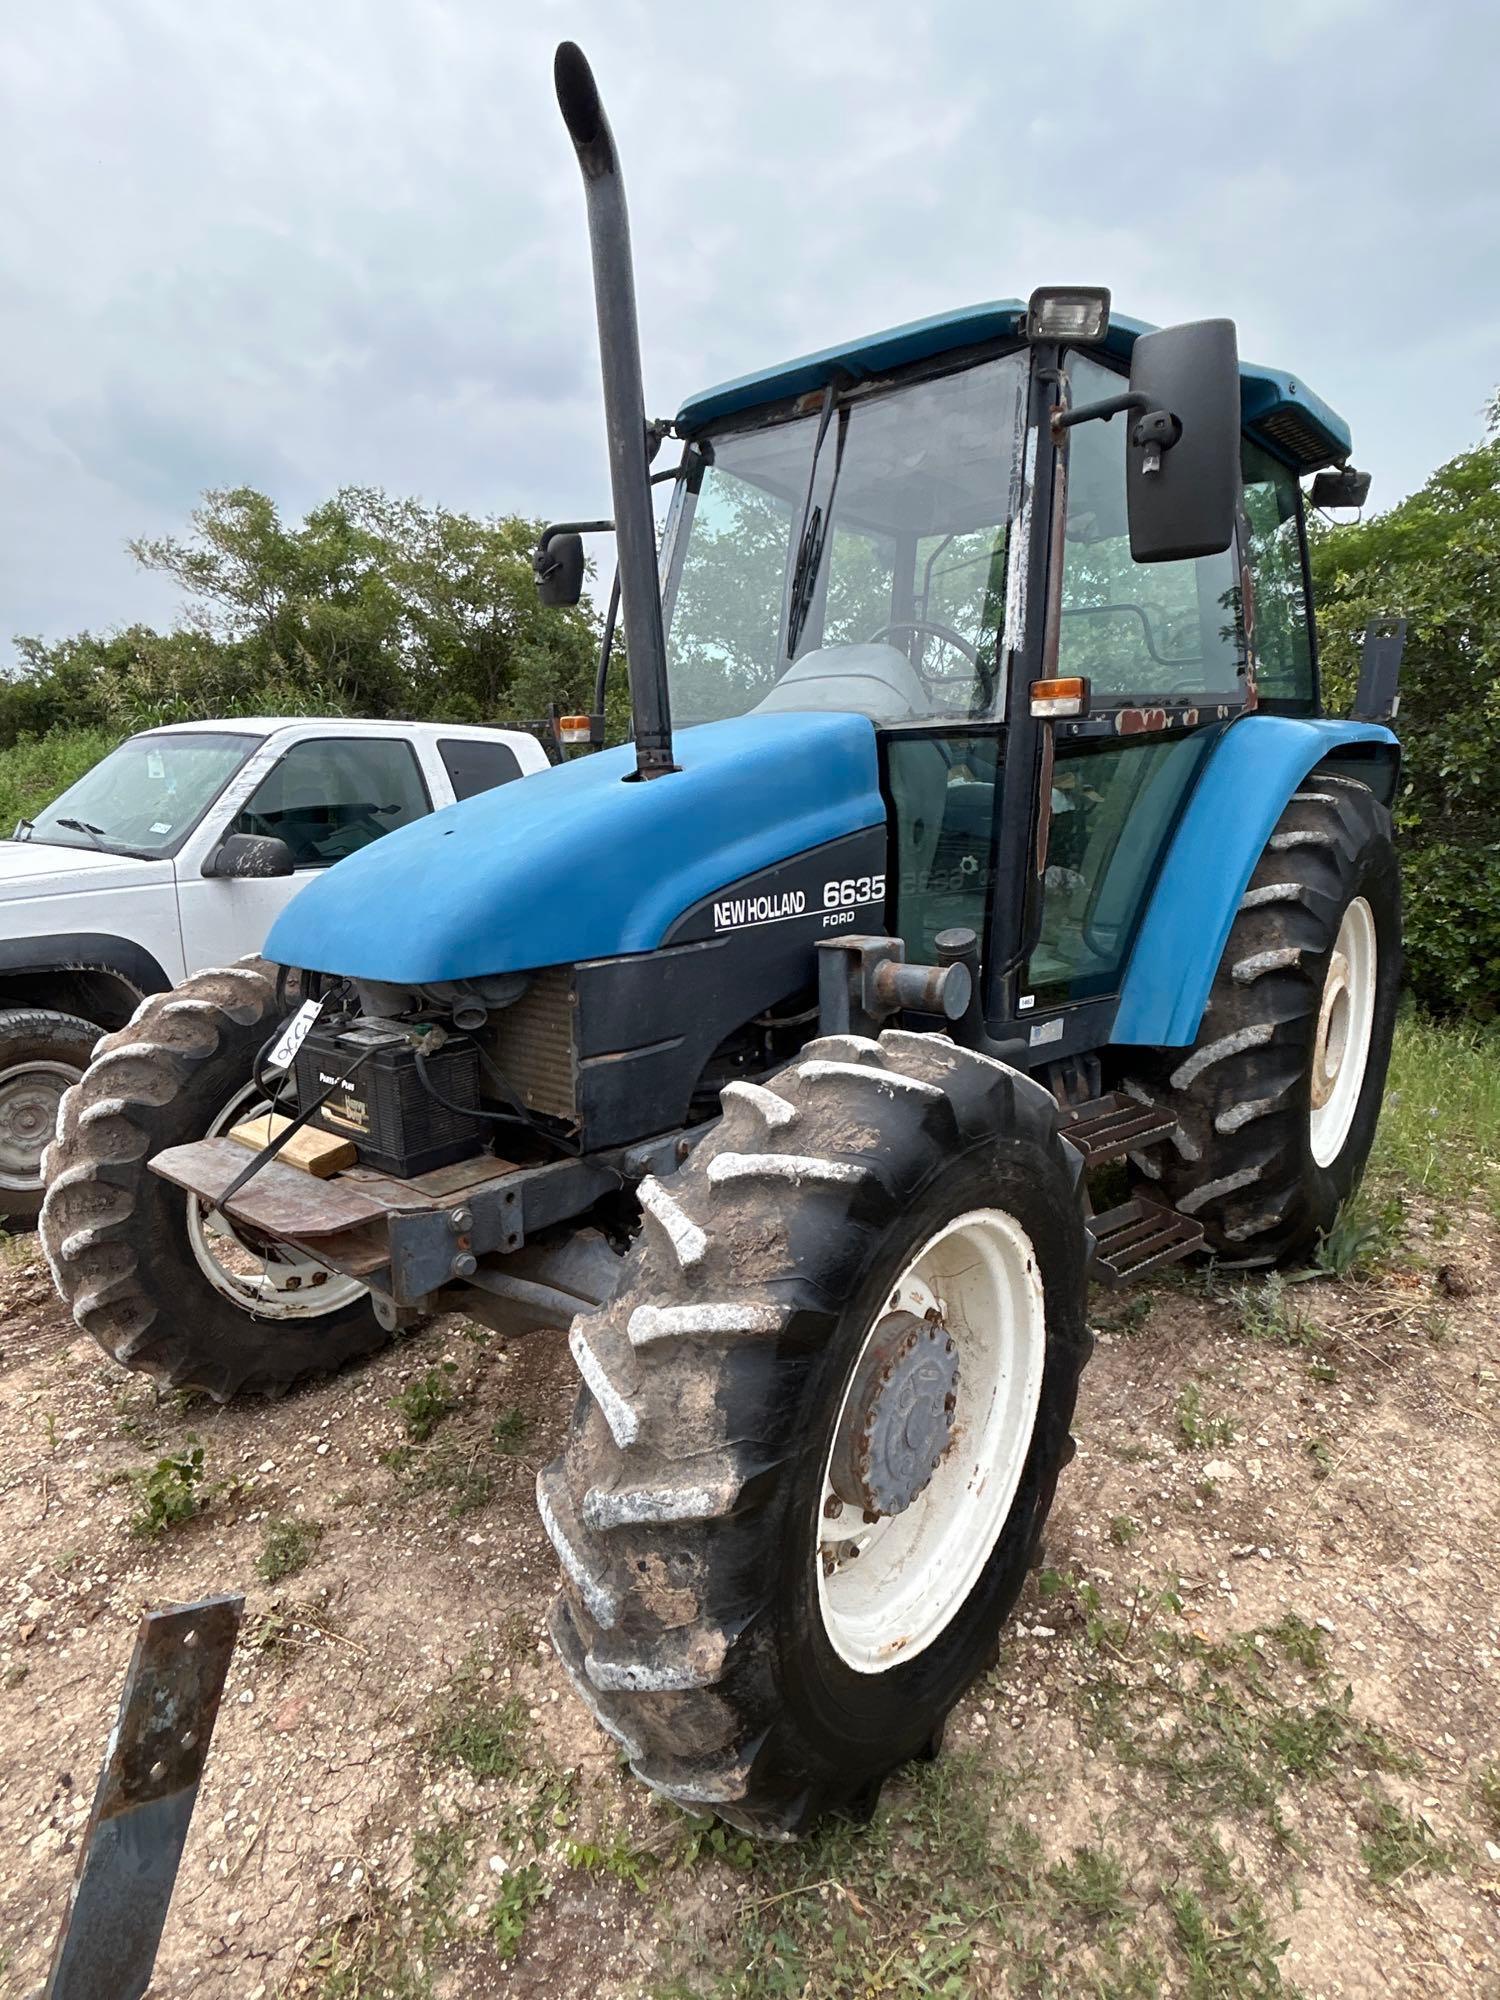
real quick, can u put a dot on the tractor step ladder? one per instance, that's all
(1138, 1236)
(1112, 1126)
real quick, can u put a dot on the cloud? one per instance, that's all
(301, 247)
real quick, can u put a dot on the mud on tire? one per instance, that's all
(115, 1234)
(684, 1509)
(1244, 1162)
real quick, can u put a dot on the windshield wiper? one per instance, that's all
(95, 833)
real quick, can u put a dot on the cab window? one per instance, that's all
(329, 797)
(1283, 635)
(1136, 630)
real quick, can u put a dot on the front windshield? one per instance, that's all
(854, 556)
(146, 796)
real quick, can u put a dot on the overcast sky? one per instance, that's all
(304, 245)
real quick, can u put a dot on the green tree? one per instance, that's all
(1435, 559)
(370, 605)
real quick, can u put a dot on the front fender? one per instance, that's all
(1250, 774)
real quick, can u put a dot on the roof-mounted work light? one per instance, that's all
(1068, 312)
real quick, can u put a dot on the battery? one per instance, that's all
(396, 1122)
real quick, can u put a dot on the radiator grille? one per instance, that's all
(533, 1044)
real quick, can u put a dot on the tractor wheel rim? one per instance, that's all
(30, 1093)
(1346, 1020)
(887, 1589)
(277, 1283)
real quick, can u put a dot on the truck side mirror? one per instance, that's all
(558, 568)
(1182, 457)
(249, 856)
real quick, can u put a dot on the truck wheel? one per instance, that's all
(164, 1286)
(41, 1054)
(1278, 1098)
(821, 1426)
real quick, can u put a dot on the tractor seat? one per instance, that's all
(870, 679)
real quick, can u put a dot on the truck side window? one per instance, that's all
(476, 766)
(1135, 629)
(330, 796)
(1283, 639)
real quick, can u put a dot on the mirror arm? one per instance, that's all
(1105, 408)
(1154, 432)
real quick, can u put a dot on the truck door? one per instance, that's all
(326, 797)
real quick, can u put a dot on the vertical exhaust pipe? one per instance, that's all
(624, 407)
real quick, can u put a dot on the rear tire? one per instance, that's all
(690, 1507)
(118, 1237)
(42, 1053)
(1278, 1099)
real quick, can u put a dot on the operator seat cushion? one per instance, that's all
(870, 679)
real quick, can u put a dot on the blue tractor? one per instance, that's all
(982, 904)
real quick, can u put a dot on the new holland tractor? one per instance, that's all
(982, 905)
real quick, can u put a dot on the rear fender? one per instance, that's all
(1250, 774)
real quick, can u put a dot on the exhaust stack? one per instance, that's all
(624, 407)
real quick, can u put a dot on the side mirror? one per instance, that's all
(1182, 458)
(558, 568)
(1344, 487)
(249, 857)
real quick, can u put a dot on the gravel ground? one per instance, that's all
(1242, 1738)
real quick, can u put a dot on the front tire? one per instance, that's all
(42, 1054)
(707, 1615)
(1278, 1098)
(164, 1289)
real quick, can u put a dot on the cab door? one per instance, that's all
(1162, 648)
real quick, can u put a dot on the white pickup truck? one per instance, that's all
(176, 852)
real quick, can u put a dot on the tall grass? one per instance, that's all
(1440, 1128)
(35, 770)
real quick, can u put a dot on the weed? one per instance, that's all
(1363, 1236)
(1440, 1124)
(475, 1730)
(1399, 1843)
(167, 1492)
(1487, 1785)
(1268, 1312)
(1123, 1531)
(1092, 1885)
(508, 1431)
(288, 1548)
(1300, 1642)
(1229, 1952)
(427, 1400)
(1322, 1371)
(1322, 1457)
(1197, 1427)
(440, 1857)
(520, 1892)
(619, 1857)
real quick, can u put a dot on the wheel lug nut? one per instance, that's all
(833, 1506)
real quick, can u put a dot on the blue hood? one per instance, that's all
(577, 861)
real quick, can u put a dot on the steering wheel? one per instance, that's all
(949, 637)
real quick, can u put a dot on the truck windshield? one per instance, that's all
(854, 555)
(145, 797)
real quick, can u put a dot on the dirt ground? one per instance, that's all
(1253, 1700)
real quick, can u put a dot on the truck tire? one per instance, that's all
(41, 1054)
(870, 1275)
(146, 1273)
(1278, 1098)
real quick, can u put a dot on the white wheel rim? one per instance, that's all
(1346, 1017)
(914, 1570)
(30, 1093)
(279, 1283)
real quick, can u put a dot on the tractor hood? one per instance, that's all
(584, 860)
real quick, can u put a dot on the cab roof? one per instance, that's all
(1277, 410)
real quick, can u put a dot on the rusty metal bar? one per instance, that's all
(127, 1864)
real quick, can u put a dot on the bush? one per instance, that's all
(34, 770)
(1434, 559)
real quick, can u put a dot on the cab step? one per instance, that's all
(1136, 1237)
(1111, 1126)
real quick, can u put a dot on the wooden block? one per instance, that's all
(320, 1154)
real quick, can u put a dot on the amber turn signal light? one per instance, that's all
(1069, 696)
